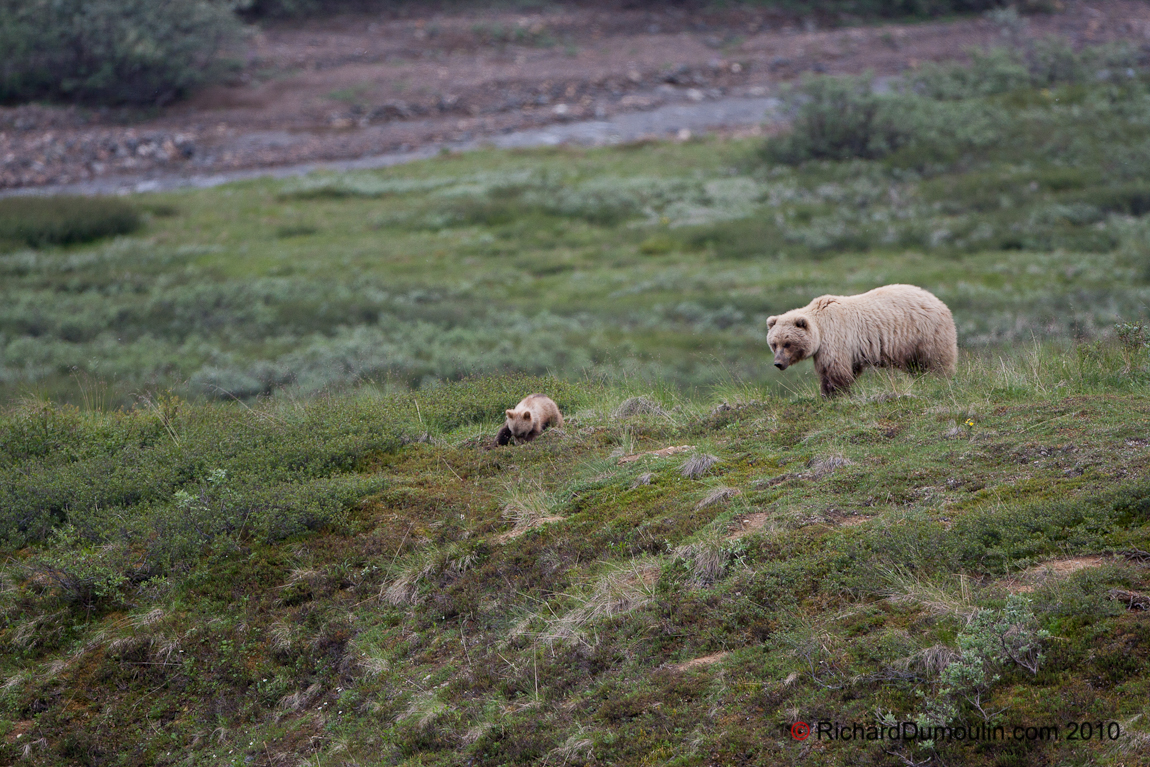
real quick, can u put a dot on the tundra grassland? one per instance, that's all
(251, 513)
(361, 578)
(1017, 194)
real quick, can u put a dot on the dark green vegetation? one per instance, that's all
(40, 222)
(940, 115)
(654, 262)
(829, 10)
(363, 579)
(112, 51)
(838, 10)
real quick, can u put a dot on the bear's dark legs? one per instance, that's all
(831, 389)
(834, 380)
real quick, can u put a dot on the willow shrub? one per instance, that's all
(136, 52)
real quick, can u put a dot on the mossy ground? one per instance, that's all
(434, 621)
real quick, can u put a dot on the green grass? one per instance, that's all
(250, 512)
(362, 578)
(656, 263)
(1016, 192)
(40, 222)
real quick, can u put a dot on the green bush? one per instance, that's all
(145, 52)
(256, 9)
(946, 111)
(1040, 64)
(839, 119)
(287, 9)
(42, 221)
(920, 8)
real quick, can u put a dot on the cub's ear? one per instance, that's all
(510, 413)
(801, 322)
(771, 321)
(527, 416)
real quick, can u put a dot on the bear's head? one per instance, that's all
(520, 422)
(793, 337)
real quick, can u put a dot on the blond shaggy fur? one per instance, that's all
(899, 326)
(526, 420)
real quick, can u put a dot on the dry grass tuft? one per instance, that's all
(718, 495)
(821, 467)
(633, 406)
(528, 506)
(149, 618)
(475, 733)
(455, 559)
(422, 712)
(619, 591)
(299, 700)
(282, 636)
(577, 749)
(708, 557)
(698, 465)
(928, 662)
(1131, 742)
(373, 665)
(905, 588)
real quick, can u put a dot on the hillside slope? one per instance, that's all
(952, 553)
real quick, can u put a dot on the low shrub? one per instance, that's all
(845, 9)
(946, 111)
(840, 119)
(111, 51)
(922, 8)
(289, 9)
(43, 221)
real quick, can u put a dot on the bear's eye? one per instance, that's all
(786, 346)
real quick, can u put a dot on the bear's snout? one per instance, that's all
(781, 365)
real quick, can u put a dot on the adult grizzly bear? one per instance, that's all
(893, 326)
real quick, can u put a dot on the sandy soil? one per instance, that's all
(354, 87)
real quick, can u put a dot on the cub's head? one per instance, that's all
(793, 338)
(519, 421)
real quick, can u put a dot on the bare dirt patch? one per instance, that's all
(1028, 580)
(852, 521)
(519, 530)
(749, 524)
(359, 86)
(662, 453)
(706, 660)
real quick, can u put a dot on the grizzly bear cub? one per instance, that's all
(899, 326)
(526, 421)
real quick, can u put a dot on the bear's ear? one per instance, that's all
(801, 322)
(771, 321)
(527, 416)
(510, 413)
